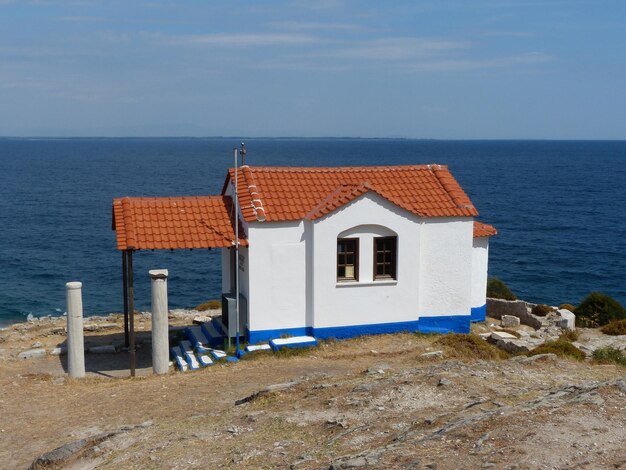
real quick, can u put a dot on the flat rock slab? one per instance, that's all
(59, 351)
(498, 335)
(513, 346)
(432, 354)
(32, 353)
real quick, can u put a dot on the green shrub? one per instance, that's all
(614, 328)
(609, 355)
(569, 307)
(598, 309)
(569, 335)
(496, 289)
(470, 346)
(541, 310)
(561, 348)
(210, 305)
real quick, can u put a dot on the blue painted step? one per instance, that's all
(293, 342)
(213, 333)
(189, 355)
(179, 359)
(197, 338)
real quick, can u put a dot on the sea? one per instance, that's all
(559, 207)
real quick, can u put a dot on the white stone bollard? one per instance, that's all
(568, 319)
(160, 340)
(75, 343)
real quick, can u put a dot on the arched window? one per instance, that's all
(374, 247)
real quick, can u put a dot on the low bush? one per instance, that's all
(210, 305)
(541, 310)
(561, 348)
(569, 307)
(496, 289)
(598, 309)
(609, 355)
(569, 335)
(614, 328)
(470, 346)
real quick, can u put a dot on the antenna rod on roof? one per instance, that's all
(243, 154)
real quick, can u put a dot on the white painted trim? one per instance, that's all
(390, 282)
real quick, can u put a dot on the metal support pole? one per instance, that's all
(160, 341)
(131, 316)
(125, 292)
(75, 342)
(237, 352)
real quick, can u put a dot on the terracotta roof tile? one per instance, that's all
(484, 230)
(295, 193)
(174, 223)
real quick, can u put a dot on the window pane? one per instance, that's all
(385, 256)
(349, 272)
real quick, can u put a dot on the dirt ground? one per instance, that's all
(371, 402)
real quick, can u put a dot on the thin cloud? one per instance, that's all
(79, 19)
(393, 49)
(318, 4)
(508, 34)
(307, 26)
(529, 58)
(235, 40)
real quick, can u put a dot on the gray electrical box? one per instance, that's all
(229, 314)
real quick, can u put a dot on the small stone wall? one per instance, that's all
(517, 308)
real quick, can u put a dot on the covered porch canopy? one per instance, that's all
(168, 223)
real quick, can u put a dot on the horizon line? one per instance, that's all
(219, 137)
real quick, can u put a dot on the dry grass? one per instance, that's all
(615, 328)
(210, 305)
(569, 335)
(561, 348)
(462, 346)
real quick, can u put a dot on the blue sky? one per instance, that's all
(458, 69)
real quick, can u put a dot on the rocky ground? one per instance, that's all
(372, 402)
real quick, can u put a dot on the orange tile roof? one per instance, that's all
(163, 223)
(295, 193)
(484, 230)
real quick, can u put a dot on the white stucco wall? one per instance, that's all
(366, 301)
(480, 260)
(446, 266)
(277, 275)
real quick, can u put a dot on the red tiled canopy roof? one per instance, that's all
(296, 193)
(159, 223)
(484, 230)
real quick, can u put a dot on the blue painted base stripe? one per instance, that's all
(441, 324)
(343, 332)
(447, 324)
(479, 313)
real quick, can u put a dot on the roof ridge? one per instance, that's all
(452, 187)
(322, 208)
(325, 169)
(255, 195)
